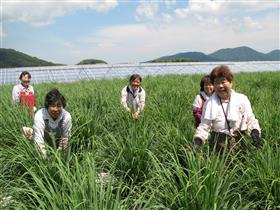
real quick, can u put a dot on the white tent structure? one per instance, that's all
(107, 71)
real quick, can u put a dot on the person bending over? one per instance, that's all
(52, 124)
(206, 90)
(226, 115)
(133, 96)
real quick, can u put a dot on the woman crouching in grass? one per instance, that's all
(133, 96)
(206, 90)
(226, 116)
(52, 124)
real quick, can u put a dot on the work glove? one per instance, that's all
(135, 115)
(255, 134)
(42, 150)
(198, 142)
(27, 132)
(197, 149)
(63, 143)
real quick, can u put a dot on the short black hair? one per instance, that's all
(205, 79)
(135, 76)
(23, 74)
(53, 97)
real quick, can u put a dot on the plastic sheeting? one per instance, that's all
(92, 72)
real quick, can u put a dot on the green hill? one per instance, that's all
(10, 58)
(239, 54)
(91, 61)
(229, 54)
(170, 60)
(185, 57)
(274, 55)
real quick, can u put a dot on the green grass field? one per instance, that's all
(148, 165)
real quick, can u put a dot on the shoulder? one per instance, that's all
(16, 87)
(124, 89)
(66, 115)
(240, 97)
(197, 101)
(213, 98)
(142, 90)
(212, 101)
(39, 116)
(31, 88)
(197, 97)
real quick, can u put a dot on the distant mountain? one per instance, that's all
(10, 58)
(192, 56)
(238, 54)
(172, 60)
(91, 61)
(274, 55)
(228, 54)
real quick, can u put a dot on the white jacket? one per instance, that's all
(197, 103)
(39, 128)
(133, 101)
(239, 114)
(20, 88)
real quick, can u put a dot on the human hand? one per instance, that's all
(198, 142)
(42, 150)
(135, 115)
(257, 141)
(63, 144)
(27, 132)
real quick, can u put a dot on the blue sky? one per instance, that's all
(68, 31)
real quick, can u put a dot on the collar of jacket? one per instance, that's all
(134, 93)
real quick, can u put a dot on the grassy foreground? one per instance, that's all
(148, 165)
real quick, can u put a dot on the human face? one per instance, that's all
(25, 80)
(55, 110)
(135, 84)
(208, 88)
(223, 87)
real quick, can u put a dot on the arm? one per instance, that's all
(197, 110)
(39, 128)
(33, 92)
(142, 98)
(251, 121)
(123, 99)
(67, 125)
(253, 125)
(204, 128)
(15, 94)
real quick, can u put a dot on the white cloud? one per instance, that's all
(167, 18)
(42, 13)
(202, 7)
(138, 42)
(198, 27)
(147, 9)
(250, 23)
(169, 3)
(240, 15)
(224, 8)
(150, 11)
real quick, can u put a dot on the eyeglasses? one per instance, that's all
(220, 81)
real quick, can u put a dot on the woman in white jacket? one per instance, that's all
(52, 124)
(133, 96)
(226, 115)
